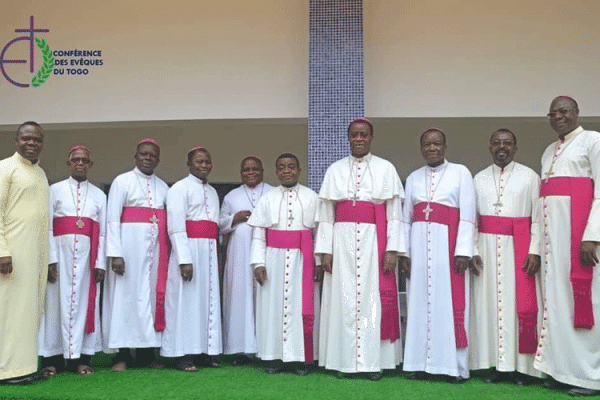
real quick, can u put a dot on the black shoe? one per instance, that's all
(24, 380)
(521, 379)
(580, 392)
(241, 359)
(206, 360)
(496, 376)
(416, 376)
(456, 379)
(301, 369)
(340, 375)
(551, 383)
(274, 367)
(374, 376)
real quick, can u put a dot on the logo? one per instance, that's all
(48, 60)
(59, 58)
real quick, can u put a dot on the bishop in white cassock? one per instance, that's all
(70, 324)
(439, 213)
(287, 300)
(239, 330)
(569, 348)
(137, 243)
(505, 293)
(359, 237)
(193, 308)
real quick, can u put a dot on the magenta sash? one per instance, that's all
(581, 191)
(449, 216)
(68, 226)
(369, 213)
(520, 229)
(301, 240)
(145, 215)
(202, 229)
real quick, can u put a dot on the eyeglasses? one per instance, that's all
(562, 111)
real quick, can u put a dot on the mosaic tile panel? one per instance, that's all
(335, 83)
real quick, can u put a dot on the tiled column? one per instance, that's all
(335, 81)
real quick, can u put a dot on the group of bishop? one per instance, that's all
(499, 268)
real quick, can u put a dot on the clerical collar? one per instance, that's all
(439, 167)
(141, 174)
(26, 161)
(508, 166)
(252, 188)
(195, 178)
(365, 158)
(75, 181)
(289, 189)
(572, 134)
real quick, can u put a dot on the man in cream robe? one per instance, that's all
(436, 337)
(69, 329)
(239, 332)
(360, 333)
(23, 255)
(283, 299)
(193, 307)
(134, 246)
(508, 190)
(569, 349)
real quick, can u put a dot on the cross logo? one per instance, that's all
(48, 63)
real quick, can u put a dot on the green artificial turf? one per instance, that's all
(251, 382)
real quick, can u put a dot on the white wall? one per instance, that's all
(477, 58)
(178, 59)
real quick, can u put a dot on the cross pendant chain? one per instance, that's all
(80, 224)
(427, 210)
(154, 220)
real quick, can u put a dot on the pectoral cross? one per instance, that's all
(154, 220)
(549, 173)
(427, 210)
(291, 218)
(498, 203)
(80, 224)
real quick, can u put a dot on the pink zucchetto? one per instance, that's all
(361, 119)
(195, 148)
(148, 140)
(79, 147)
(252, 157)
(432, 128)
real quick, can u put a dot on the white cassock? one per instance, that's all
(569, 355)
(512, 191)
(193, 309)
(350, 338)
(239, 332)
(63, 322)
(130, 300)
(279, 323)
(430, 339)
